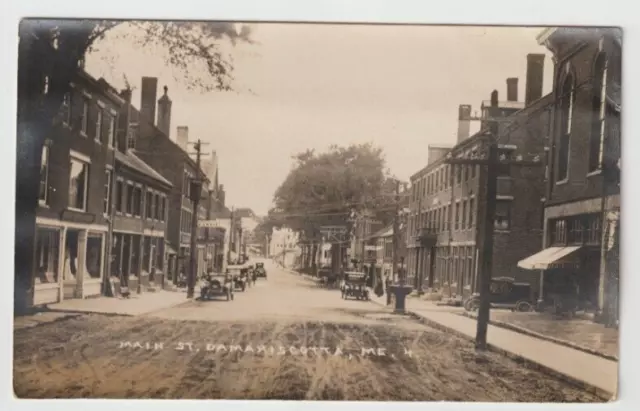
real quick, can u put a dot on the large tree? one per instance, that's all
(328, 188)
(49, 55)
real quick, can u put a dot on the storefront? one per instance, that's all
(69, 260)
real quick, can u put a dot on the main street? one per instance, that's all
(283, 338)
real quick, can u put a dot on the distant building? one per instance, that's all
(283, 246)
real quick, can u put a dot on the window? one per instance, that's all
(137, 201)
(44, 176)
(78, 180)
(157, 207)
(45, 88)
(94, 255)
(457, 217)
(473, 171)
(111, 131)
(163, 200)
(566, 113)
(66, 109)
(458, 171)
(503, 215)
(592, 234)
(131, 137)
(119, 195)
(472, 212)
(598, 107)
(149, 205)
(558, 232)
(47, 246)
(504, 169)
(129, 200)
(98, 135)
(575, 231)
(107, 192)
(463, 225)
(84, 121)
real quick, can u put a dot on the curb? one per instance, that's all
(555, 340)
(599, 392)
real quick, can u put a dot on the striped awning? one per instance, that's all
(549, 258)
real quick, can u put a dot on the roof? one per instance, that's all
(505, 104)
(132, 161)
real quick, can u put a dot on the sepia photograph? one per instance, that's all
(250, 210)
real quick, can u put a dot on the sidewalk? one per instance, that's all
(137, 304)
(595, 373)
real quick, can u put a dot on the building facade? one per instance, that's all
(448, 202)
(283, 246)
(72, 218)
(582, 209)
(172, 161)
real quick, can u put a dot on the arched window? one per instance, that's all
(567, 97)
(598, 111)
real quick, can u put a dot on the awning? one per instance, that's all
(552, 256)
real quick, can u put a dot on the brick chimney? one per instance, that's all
(512, 89)
(148, 95)
(221, 195)
(164, 113)
(464, 122)
(535, 75)
(182, 137)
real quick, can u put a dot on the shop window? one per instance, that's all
(593, 229)
(71, 255)
(558, 232)
(576, 231)
(78, 182)
(47, 246)
(94, 255)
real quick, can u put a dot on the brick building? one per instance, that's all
(448, 201)
(583, 184)
(171, 160)
(71, 221)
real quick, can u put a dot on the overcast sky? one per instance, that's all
(398, 87)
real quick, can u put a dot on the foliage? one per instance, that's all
(326, 188)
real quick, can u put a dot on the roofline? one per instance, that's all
(113, 96)
(544, 35)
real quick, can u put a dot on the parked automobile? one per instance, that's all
(261, 272)
(216, 285)
(505, 293)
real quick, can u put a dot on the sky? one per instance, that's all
(306, 86)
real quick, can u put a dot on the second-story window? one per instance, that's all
(503, 215)
(78, 183)
(119, 195)
(98, 135)
(471, 212)
(137, 201)
(463, 224)
(107, 192)
(84, 121)
(111, 130)
(130, 198)
(149, 206)
(131, 137)
(66, 109)
(457, 217)
(598, 110)
(566, 116)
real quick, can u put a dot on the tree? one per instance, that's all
(49, 55)
(326, 188)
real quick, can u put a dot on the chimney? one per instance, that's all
(435, 153)
(221, 195)
(512, 89)
(535, 74)
(148, 95)
(164, 113)
(464, 122)
(182, 137)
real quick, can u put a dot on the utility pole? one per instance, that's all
(231, 236)
(491, 162)
(196, 193)
(418, 264)
(396, 229)
(284, 249)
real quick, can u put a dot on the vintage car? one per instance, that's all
(216, 285)
(261, 272)
(504, 293)
(239, 276)
(355, 286)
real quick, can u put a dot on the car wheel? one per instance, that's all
(524, 306)
(472, 304)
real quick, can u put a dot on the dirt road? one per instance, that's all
(283, 339)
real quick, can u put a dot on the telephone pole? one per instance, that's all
(196, 192)
(396, 229)
(491, 162)
(231, 236)
(419, 267)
